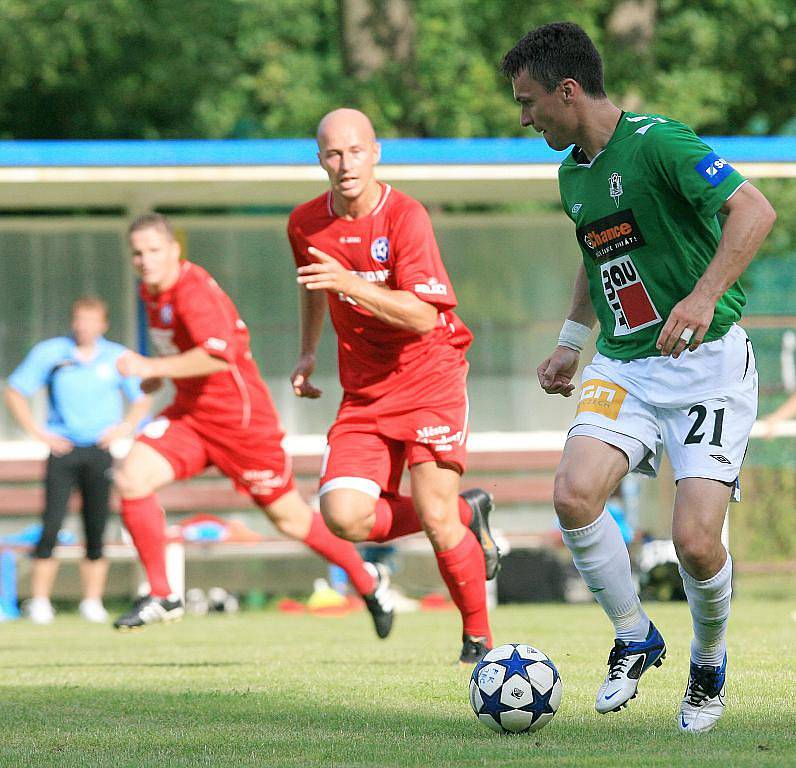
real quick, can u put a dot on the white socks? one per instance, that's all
(601, 557)
(709, 602)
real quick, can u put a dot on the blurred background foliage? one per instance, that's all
(266, 68)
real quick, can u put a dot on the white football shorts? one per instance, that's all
(699, 408)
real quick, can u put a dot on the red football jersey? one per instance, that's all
(394, 246)
(195, 312)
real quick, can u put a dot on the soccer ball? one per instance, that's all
(515, 688)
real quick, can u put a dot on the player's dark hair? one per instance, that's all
(553, 52)
(90, 302)
(151, 220)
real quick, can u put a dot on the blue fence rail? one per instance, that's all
(221, 152)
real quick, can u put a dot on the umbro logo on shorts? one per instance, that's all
(721, 459)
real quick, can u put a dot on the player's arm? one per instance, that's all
(750, 218)
(312, 309)
(786, 411)
(20, 409)
(400, 309)
(556, 372)
(193, 363)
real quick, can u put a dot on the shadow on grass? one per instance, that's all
(83, 726)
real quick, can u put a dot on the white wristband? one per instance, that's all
(573, 335)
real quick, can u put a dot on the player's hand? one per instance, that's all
(326, 274)
(694, 313)
(300, 378)
(556, 372)
(58, 445)
(152, 384)
(116, 432)
(132, 364)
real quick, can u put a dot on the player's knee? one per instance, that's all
(346, 515)
(697, 553)
(131, 482)
(572, 501)
(295, 524)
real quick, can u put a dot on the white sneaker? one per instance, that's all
(627, 662)
(703, 703)
(40, 610)
(93, 611)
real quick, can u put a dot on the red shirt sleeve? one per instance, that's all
(418, 264)
(209, 318)
(298, 243)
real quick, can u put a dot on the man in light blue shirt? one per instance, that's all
(86, 413)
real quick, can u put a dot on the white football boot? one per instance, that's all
(703, 703)
(627, 662)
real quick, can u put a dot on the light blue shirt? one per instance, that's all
(85, 397)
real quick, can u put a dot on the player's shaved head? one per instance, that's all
(348, 121)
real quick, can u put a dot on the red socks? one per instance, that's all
(343, 553)
(396, 517)
(462, 568)
(145, 521)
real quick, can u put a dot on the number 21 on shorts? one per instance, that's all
(702, 424)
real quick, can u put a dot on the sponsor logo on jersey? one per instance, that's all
(615, 187)
(721, 459)
(627, 296)
(380, 249)
(432, 288)
(612, 235)
(713, 169)
(373, 275)
(378, 276)
(575, 208)
(167, 314)
(603, 397)
(350, 239)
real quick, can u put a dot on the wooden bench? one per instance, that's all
(513, 477)
(514, 474)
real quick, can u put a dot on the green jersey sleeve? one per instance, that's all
(690, 167)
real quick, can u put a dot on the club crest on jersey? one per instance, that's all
(615, 187)
(380, 249)
(166, 314)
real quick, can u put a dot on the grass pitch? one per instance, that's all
(265, 689)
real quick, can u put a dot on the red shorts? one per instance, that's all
(370, 442)
(252, 458)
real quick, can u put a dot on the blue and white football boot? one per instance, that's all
(627, 662)
(703, 703)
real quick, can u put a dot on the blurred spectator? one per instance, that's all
(85, 415)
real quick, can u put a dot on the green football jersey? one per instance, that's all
(645, 216)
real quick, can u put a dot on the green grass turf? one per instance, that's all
(265, 689)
